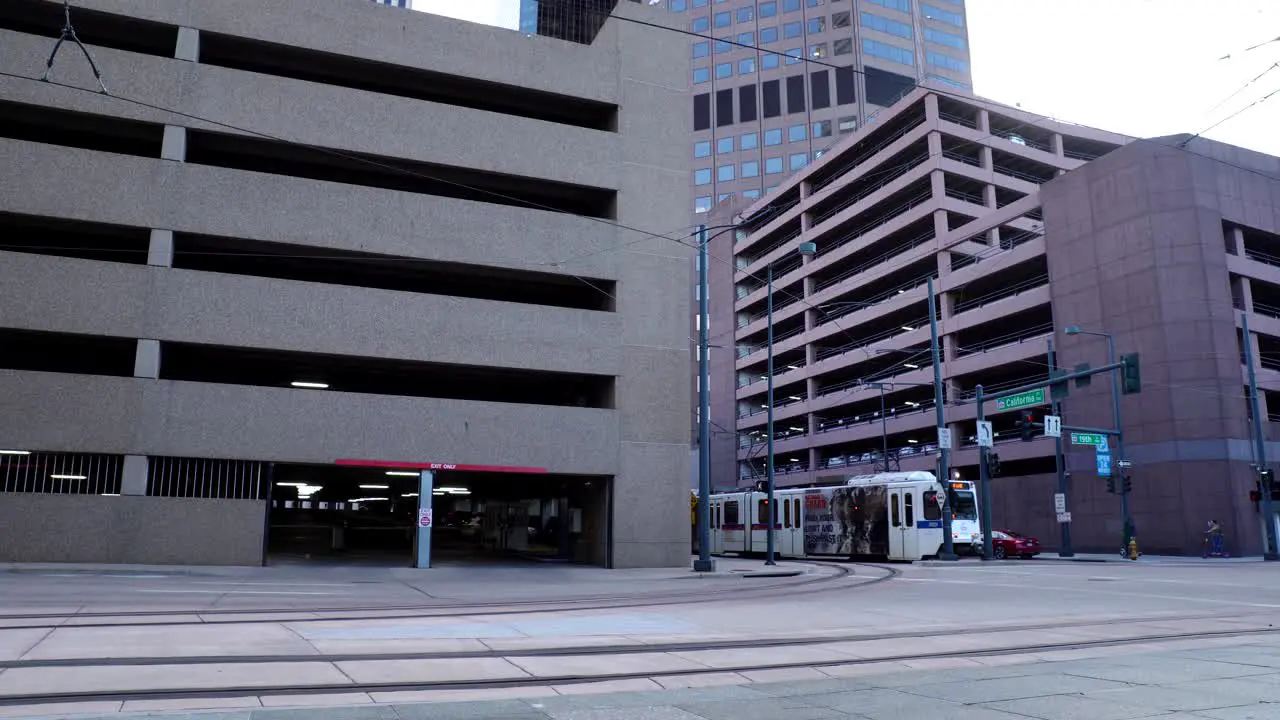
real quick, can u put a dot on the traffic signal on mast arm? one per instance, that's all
(1027, 425)
(1130, 375)
(1111, 484)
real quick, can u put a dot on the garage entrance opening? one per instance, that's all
(370, 514)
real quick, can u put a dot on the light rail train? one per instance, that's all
(892, 516)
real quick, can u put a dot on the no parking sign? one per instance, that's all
(424, 518)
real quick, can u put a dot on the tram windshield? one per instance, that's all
(963, 506)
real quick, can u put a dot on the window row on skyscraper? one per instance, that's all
(766, 99)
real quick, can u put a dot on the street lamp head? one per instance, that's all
(808, 248)
(1072, 330)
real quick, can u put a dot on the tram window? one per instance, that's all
(786, 513)
(909, 499)
(762, 512)
(894, 512)
(731, 513)
(796, 503)
(931, 509)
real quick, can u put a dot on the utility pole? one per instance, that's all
(704, 563)
(944, 452)
(1260, 450)
(1064, 528)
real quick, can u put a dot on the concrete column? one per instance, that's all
(1055, 143)
(984, 121)
(174, 146)
(1257, 355)
(989, 196)
(813, 458)
(938, 184)
(988, 158)
(940, 225)
(935, 143)
(1237, 241)
(931, 110)
(146, 359)
(188, 45)
(133, 479)
(1262, 408)
(810, 388)
(160, 252)
(948, 349)
(993, 236)
(1243, 290)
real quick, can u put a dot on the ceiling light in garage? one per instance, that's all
(374, 487)
(403, 473)
(69, 477)
(310, 385)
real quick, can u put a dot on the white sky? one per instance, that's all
(1138, 67)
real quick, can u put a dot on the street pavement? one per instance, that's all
(1023, 639)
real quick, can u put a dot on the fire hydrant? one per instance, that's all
(1133, 548)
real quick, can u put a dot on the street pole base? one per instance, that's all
(701, 566)
(1067, 554)
(984, 558)
(1271, 557)
(948, 557)
(770, 562)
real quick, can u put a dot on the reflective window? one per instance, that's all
(799, 161)
(946, 61)
(702, 176)
(843, 46)
(747, 38)
(768, 35)
(750, 141)
(746, 14)
(885, 25)
(817, 25)
(750, 169)
(818, 51)
(701, 75)
(895, 513)
(772, 165)
(746, 66)
(723, 46)
(700, 25)
(902, 5)
(702, 149)
(796, 133)
(725, 173)
(677, 5)
(841, 19)
(908, 498)
(724, 145)
(767, 9)
(931, 509)
(702, 204)
(770, 61)
(945, 38)
(792, 29)
(773, 137)
(723, 19)
(790, 5)
(701, 49)
(724, 70)
(751, 194)
(794, 55)
(888, 52)
(822, 129)
(936, 13)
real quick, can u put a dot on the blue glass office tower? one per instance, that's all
(529, 16)
(406, 4)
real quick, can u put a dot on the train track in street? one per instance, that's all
(668, 659)
(835, 577)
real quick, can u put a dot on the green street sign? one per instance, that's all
(1088, 439)
(1021, 400)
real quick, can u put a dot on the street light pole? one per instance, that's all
(704, 563)
(772, 511)
(1115, 411)
(948, 549)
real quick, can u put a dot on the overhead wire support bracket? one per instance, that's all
(69, 33)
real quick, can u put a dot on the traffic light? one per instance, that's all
(993, 465)
(1128, 483)
(1111, 484)
(1026, 425)
(1130, 375)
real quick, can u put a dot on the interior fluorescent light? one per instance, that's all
(795, 459)
(792, 367)
(110, 494)
(908, 328)
(69, 477)
(403, 473)
(794, 397)
(311, 385)
(15, 452)
(410, 495)
(298, 485)
(360, 500)
(912, 366)
(374, 487)
(913, 404)
(913, 442)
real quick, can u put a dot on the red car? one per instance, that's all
(1007, 543)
